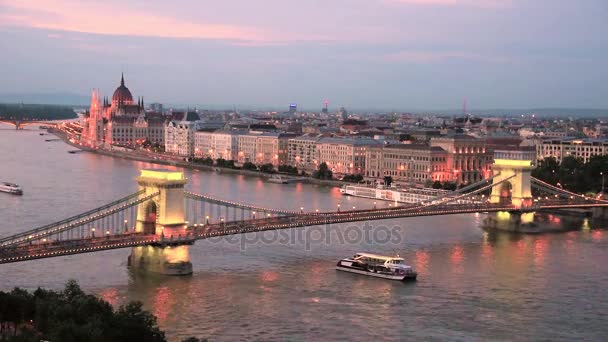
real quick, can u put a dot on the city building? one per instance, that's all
(179, 135)
(216, 144)
(468, 158)
(120, 121)
(411, 163)
(302, 152)
(345, 155)
(575, 147)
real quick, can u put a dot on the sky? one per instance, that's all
(384, 54)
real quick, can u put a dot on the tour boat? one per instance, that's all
(380, 266)
(11, 188)
(394, 194)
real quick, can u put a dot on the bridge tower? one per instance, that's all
(164, 216)
(514, 165)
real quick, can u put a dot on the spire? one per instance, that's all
(122, 79)
(142, 102)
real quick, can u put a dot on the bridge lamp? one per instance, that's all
(207, 218)
(301, 210)
(374, 204)
(317, 211)
(354, 207)
(44, 240)
(269, 215)
(107, 232)
(253, 215)
(338, 207)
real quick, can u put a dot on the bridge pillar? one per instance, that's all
(163, 215)
(518, 189)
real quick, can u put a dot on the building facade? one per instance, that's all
(120, 121)
(215, 145)
(345, 155)
(468, 158)
(578, 148)
(302, 153)
(179, 138)
(408, 163)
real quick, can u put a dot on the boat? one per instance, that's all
(380, 266)
(11, 188)
(277, 179)
(396, 194)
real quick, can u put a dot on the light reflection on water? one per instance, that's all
(474, 285)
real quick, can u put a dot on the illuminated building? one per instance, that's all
(468, 157)
(578, 148)
(408, 163)
(120, 121)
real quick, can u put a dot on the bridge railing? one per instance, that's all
(79, 221)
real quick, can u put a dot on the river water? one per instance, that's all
(473, 285)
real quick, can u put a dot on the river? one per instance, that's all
(473, 285)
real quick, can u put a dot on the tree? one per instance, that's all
(436, 185)
(323, 172)
(267, 168)
(72, 316)
(388, 180)
(249, 166)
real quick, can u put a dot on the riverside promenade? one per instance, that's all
(171, 160)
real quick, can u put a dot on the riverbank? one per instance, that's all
(188, 165)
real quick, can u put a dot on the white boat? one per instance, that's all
(380, 266)
(394, 194)
(11, 188)
(277, 179)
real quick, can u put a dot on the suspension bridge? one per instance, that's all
(161, 219)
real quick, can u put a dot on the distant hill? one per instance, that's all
(36, 111)
(58, 98)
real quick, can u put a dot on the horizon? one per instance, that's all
(408, 54)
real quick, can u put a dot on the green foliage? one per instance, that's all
(220, 162)
(437, 185)
(388, 180)
(449, 186)
(205, 161)
(249, 166)
(572, 174)
(267, 168)
(36, 112)
(292, 170)
(72, 316)
(352, 178)
(323, 172)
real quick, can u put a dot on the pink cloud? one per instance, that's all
(98, 18)
(469, 3)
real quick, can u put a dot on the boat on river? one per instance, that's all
(380, 266)
(11, 188)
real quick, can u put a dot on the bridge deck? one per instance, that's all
(93, 244)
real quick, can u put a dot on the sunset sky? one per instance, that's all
(386, 54)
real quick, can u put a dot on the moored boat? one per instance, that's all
(380, 266)
(11, 188)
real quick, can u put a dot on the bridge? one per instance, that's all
(161, 220)
(20, 123)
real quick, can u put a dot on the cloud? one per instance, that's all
(466, 3)
(428, 57)
(101, 18)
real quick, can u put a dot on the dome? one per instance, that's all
(122, 95)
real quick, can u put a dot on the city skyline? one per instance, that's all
(401, 54)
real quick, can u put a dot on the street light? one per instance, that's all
(253, 215)
(374, 204)
(338, 208)
(93, 232)
(126, 227)
(301, 210)
(207, 218)
(602, 191)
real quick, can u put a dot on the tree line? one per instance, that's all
(36, 112)
(72, 315)
(573, 174)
